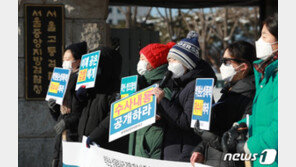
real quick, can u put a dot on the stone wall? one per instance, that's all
(84, 20)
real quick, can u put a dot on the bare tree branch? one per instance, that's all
(147, 15)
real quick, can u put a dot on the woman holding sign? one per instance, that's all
(66, 118)
(147, 142)
(186, 65)
(234, 104)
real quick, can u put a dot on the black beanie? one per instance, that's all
(78, 49)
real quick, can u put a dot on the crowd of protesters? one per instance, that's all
(250, 91)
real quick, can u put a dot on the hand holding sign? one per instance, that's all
(58, 85)
(202, 104)
(132, 113)
(88, 70)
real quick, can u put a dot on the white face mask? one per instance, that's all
(263, 49)
(67, 65)
(142, 67)
(227, 72)
(177, 69)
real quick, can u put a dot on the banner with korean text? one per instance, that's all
(76, 154)
(88, 70)
(202, 103)
(132, 113)
(58, 85)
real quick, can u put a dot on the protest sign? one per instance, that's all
(128, 85)
(132, 113)
(88, 70)
(76, 154)
(202, 103)
(58, 85)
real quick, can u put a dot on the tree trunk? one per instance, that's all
(128, 16)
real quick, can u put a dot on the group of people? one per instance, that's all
(251, 84)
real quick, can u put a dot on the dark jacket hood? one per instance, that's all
(109, 70)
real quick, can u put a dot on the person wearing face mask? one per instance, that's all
(263, 123)
(67, 120)
(235, 102)
(152, 66)
(186, 65)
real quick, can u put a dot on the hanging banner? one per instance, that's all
(202, 104)
(88, 70)
(76, 154)
(132, 113)
(128, 86)
(58, 85)
(44, 46)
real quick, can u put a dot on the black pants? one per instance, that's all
(71, 135)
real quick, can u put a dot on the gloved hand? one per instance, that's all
(81, 93)
(229, 141)
(60, 126)
(89, 142)
(231, 138)
(205, 135)
(52, 104)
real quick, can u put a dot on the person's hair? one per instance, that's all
(244, 51)
(271, 23)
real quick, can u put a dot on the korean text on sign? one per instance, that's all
(58, 85)
(128, 86)
(202, 103)
(88, 70)
(132, 113)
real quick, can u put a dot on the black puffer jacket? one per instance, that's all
(236, 101)
(94, 121)
(180, 139)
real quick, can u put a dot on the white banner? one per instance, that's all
(78, 155)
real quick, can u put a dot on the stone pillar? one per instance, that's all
(84, 20)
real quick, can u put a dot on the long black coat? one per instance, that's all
(71, 119)
(180, 139)
(94, 120)
(236, 101)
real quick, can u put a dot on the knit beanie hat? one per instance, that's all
(157, 53)
(187, 51)
(78, 49)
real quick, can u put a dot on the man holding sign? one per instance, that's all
(60, 97)
(96, 101)
(186, 65)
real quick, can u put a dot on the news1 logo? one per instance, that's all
(266, 157)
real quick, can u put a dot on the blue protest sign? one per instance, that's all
(88, 70)
(128, 85)
(58, 85)
(202, 103)
(132, 113)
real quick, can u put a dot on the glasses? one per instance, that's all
(226, 61)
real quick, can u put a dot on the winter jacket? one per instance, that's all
(147, 142)
(94, 120)
(180, 139)
(71, 119)
(235, 102)
(263, 126)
